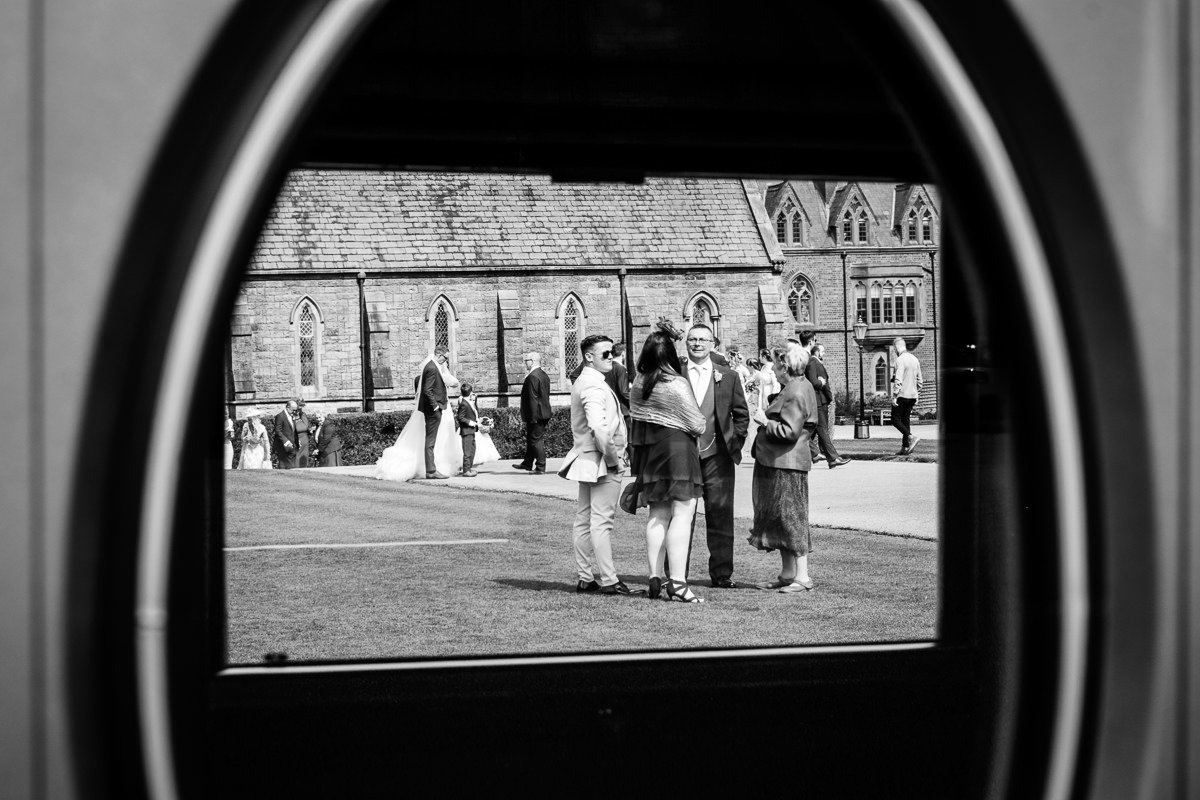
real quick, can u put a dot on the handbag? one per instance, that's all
(629, 496)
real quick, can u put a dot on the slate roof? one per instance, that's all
(398, 220)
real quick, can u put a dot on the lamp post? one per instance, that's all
(364, 343)
(862, 428)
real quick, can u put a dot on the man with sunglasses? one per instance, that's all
(596, 461)
(719, 394)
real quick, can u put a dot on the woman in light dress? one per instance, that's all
(228, 450)
(256, 453)
(405, 460)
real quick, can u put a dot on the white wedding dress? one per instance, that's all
(405, 460)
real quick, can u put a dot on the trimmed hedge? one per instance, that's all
(366, 436)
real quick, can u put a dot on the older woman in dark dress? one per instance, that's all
(781, 464)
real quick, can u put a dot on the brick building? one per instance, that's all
(497, 265)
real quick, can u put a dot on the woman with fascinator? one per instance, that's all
(666, 460)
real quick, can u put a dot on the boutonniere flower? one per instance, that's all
(716, 376)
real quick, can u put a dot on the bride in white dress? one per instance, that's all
(405, 460)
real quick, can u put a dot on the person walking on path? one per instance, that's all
(781, 465)
(718, 393)
(821, 445)
(906, 385)
(535, 412)
(596, 461)
(666, 463)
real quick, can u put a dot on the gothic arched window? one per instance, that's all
(572, 329)
(781, 228)
(888, 316)
(306, 318)
(927, 227)
(881, 376)
(800, 301)
(702, 309)
(863, 227)
(875, 309)
(912, 227)
(797, 230)
(910, 302)
(441, 317)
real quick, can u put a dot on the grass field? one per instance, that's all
(447, 592)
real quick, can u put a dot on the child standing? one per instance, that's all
(466, 417)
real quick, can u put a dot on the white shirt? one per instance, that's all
(700, 376)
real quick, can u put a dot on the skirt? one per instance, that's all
(667, 462)
(780, 510)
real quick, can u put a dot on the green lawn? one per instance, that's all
(442, 597)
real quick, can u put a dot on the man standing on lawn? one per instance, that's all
(719, 394)
(596, 461)
(432, 402)
(287, 443)
(906, 384)
(535, 412)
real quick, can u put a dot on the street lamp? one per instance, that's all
(862, 428)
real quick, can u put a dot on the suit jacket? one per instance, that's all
(535, 396)
(329, 440)
(814, 370)
(285, 432)
(464, 414)
(617, 379)
(433, 389)
(733, 415)
(598, 430)
(717, 358)
(791, 418)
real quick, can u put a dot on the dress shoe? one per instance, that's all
(912, 445)
(435, 476)
(539, 472)
(724, 583)
(470, 473)
(818, 458)
(841, 462)
(619, 588)
(521, 467)
(587, 586)
(655, 590)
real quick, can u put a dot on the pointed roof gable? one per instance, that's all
(338, 218)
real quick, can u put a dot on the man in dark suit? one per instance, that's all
(821, 445)
(329, 441)
(431, 402)
(466, 418)
(535, 412)
(286, 440)
(719, 394)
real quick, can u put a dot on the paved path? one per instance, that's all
(898, 498)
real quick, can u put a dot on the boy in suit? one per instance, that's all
(466, 417)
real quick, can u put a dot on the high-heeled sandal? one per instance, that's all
(655, 590)
(681, 592)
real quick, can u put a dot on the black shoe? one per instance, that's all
(655, 590)
(587, 586)
(541, 471)
(841, 462)
(619, 588)
(520, 466)
(724, 583)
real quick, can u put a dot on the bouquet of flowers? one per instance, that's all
(486, 424)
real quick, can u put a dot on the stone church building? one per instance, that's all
(357, 275)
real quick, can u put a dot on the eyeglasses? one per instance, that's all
(605, 354)
(698, 341)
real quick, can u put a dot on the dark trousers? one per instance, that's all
(823, 442)
(718, 474)
(535, 447)
(432, 420)
(468, 442)
(900, 414)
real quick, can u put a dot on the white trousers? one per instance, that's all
(593, 529)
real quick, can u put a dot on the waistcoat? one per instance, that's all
(708, 439)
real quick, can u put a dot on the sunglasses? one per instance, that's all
(605, 354)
